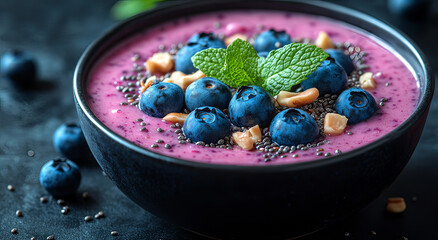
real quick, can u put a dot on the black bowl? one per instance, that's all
(254, 201)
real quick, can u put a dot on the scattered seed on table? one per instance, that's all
(85, 195)
(19, 213)
(51, 237)
(346, 234)
(114, 233)
(88, 219)
(60, 202)
(101, 214)
(33, 238)
(14, 231)
(11, 188)
(414, 199)
(372, 232)
(30, 153)
(43, 200)
(64, 211)
(96, 216)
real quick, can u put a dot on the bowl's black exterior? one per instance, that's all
(249, 201)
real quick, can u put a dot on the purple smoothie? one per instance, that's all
(104, 100)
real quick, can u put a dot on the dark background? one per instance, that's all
(56, 33)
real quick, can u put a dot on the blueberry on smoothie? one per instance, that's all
(292, 127)
(196, 43)
(207, 91)
(60, 177)
(161, 99)
(270, 40)
(263, 54)
(329, 77)
(250, 106)
(69, 141)
(207, 124)
(207, 40)
(342, 59)
(356, 104)
(19, 67)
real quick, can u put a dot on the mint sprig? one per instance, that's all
(239, 65)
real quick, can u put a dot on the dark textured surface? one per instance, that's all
(57, 33)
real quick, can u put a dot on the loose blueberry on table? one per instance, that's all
(69, 141)
(60, 177)
(19, 67)
(237, 94)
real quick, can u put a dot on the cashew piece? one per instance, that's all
(334, 124)
(323, 41)
(293, 100)
(247, 139)
(159, 63)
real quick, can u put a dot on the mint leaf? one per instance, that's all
(241, 63)
(127, 8)
(289, 66)
(211, 62)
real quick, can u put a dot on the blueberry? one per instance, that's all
(292, 127)
(356, 104)
(263, 54)
(341, 59)
(329, 77)
(270, 40)
(207, 91)
(19, 67)
(409, 8)
(161, 99)
(60, 177)
(250, 106)
(196, 43)
(207, 40)
(69, 141)
(207, 124)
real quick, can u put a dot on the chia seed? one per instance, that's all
(114, 233)
(178, 131)
(159, 130)
(200, 143)
(349, 133)
(283, 156)
(295, 155)
(142, 124)
(381, 104)
(167, 146)
(319, 153)
(11, 188)
(182, 142)
(154, 145)
(88, 219)
(18, 213)
(337, 151)
(327, 154)
(30, 153)
(14, 231)
(143, 129)
(159, 141)
(43, 200)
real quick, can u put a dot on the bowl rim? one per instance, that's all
(421, 108)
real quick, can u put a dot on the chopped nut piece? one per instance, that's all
(175, 118)
(183, 80)
(231, 39)
(292, 100)
(396, 205)
(148, 83)
(160, 63)
(247, 139)
(323, 41)
(367, 82)
(334, 124)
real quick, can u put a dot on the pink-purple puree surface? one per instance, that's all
(105, 101)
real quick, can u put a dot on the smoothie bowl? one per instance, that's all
(252, 174)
